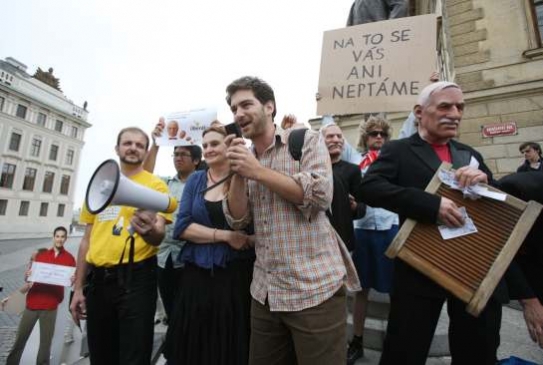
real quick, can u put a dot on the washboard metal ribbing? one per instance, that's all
(470, 267)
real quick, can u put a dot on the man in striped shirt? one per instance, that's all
(302, 266)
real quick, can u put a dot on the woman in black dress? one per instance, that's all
(210, 324)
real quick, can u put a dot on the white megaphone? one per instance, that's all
(109, 187)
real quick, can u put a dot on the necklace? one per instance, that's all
(211, 177)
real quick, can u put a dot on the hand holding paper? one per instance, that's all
(452, 232)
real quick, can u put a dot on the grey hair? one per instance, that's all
(425, 94)
(325, 127)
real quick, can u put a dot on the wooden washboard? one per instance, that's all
(471, 266)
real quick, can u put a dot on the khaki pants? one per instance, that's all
(313, 336)
(47, 329)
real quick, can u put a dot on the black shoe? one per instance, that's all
(354, 352)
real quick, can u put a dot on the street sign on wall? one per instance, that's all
(499, 129)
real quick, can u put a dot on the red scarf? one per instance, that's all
(369, 158)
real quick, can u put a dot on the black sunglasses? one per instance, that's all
(377, 133)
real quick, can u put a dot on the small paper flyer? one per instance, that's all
(448, 233)
(185, 128)
(51, 274)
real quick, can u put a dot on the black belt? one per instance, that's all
(101, 273)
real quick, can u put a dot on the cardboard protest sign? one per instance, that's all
(185, 128)
(377, 67)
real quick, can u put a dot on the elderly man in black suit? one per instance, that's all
(396, 182)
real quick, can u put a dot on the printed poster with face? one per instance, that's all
(185, 128)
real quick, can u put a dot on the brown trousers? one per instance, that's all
(313, 336)
(47, 320)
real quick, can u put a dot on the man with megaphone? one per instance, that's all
(117, 257)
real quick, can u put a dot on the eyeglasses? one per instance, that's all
(182, 154)
(378, 133)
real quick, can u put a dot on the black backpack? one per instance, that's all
(340, 199)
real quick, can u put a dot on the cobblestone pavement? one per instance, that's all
(7, 336)
(10, 280)
(10, 246)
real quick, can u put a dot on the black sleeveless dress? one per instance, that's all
(211, 317)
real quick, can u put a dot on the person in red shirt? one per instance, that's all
(42, 301)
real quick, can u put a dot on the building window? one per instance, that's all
(43, 209)
(58, 126)
(53, 152)
(15, 141)
(23, 208)
(8, 175)
(48, 180)
(3, 206)
(21, 111)
(74, 132)
(65, 184)
(60, 210)
(538, 10)
(69, 157)
(36, 147)
(30, 179)
(2, 100)
(42, 118)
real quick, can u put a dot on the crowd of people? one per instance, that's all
(255, 264)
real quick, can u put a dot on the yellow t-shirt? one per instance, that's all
(110, 229)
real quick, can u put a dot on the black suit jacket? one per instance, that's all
(396, 182)
(346, 181)
(528, 186)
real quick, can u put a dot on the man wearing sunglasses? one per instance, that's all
(373, 234)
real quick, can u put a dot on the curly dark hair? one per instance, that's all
(260, 88)
(372, 123)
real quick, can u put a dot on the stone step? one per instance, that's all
(376, 324)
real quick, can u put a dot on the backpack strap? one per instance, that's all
(296, 140)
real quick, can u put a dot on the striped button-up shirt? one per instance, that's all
(300, 259)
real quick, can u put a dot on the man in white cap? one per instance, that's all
(396, 182)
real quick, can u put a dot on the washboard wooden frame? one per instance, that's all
(471, 266)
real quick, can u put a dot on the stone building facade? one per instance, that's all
(41, 137)
(493, 49)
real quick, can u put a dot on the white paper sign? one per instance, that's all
(185, 128)
(51, 274)
(473, 192)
